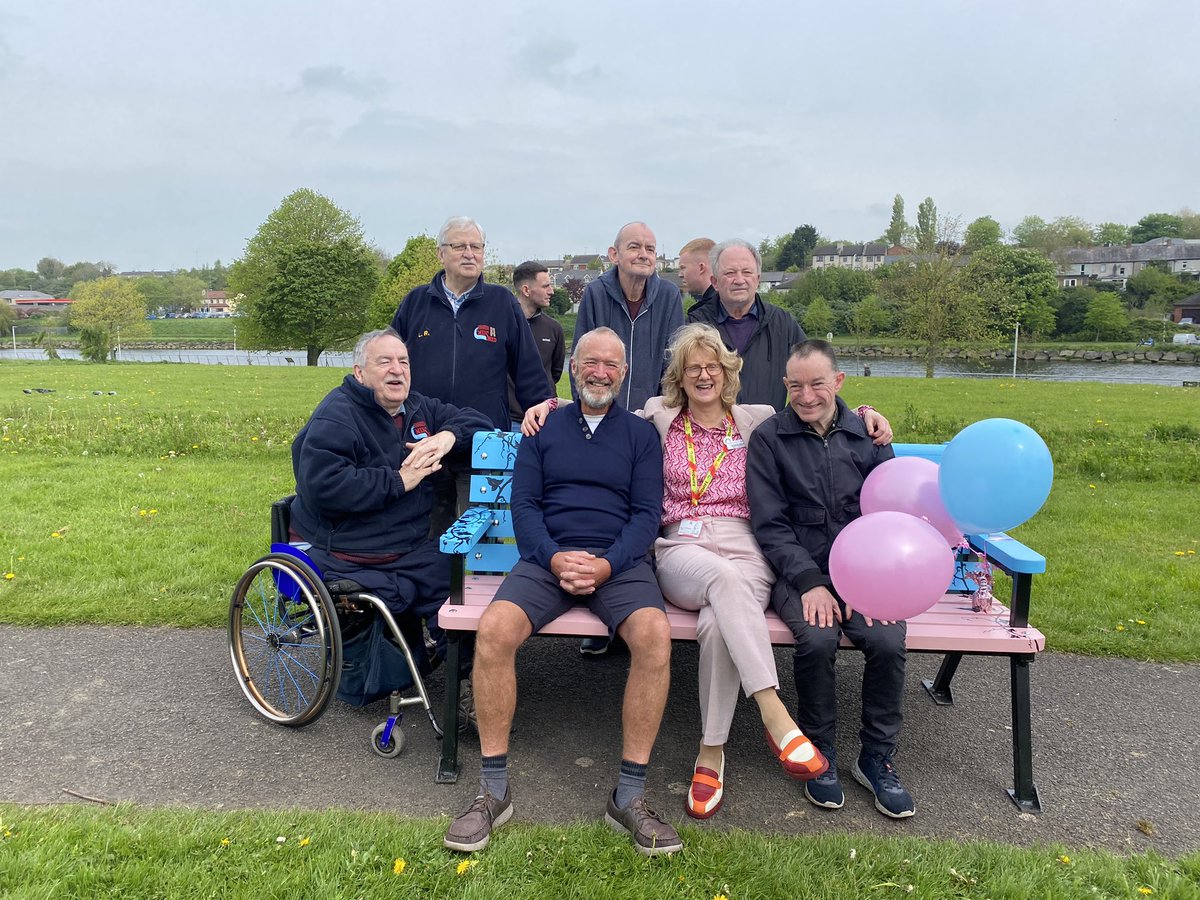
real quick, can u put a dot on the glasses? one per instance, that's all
(463, 248)
(709, 369)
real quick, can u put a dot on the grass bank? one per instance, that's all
(131, 852)
(137, 493)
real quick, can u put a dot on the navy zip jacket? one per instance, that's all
(804, 490)
(767, 353)
(645, 339)
(467, 359)
(349, 496)
(575, 490)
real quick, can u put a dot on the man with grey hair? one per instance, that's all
(467, 338)
(362, 464)
(586, 503)
(761, 333)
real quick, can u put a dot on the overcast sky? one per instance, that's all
(161, 135)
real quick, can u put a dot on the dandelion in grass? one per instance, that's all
(9, 576)
(55, 534)
(1120, 628)
(1141, 621)
(1180, 553)
(304, 842)
(399, 866)
(1145, 890)
(1065, 860)
(1092, 486)
(465, 865)
(225, 842)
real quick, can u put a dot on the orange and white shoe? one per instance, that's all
(707, 791)
(799, 756)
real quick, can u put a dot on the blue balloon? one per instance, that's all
(994, 475)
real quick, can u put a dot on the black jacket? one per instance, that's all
(349, 496)
(804, 490)
(766, 354)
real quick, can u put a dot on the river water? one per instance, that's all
(1173, 374)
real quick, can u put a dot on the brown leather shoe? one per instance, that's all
(651, 835)
(473, 828)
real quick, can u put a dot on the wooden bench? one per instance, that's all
(483, 542)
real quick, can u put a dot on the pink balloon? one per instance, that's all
(909, 484)
(890, 565)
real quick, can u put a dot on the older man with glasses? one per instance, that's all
(466, 339)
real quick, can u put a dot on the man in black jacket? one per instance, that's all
(804, 472)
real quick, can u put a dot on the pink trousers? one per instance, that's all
(723, 574)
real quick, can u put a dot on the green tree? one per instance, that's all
(867, 318)
(934, 308)
(818, 318)
(175, 293)
(17, 280)
(983, 232)
(927, 226)
(1155, 290)
(1156, 225)
(1106, 317)
(560, 302)
(1111, 233)
(413, 266)
(303, 218)
(1013, 284)
(897, 227)
(105, 309)
(7, 317)
(1050, 238)
(1070, 307)
(796, 250)
(1190, 224)
(317, 298)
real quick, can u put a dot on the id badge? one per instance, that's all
(734, 443)
(690, 528)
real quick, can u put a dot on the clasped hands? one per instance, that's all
(579, 572)
(425, 458)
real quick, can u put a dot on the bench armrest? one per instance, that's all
(1008, 553)
(462, 536)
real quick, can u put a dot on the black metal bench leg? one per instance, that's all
(1024, 792)
(448, 766)
(939, 688)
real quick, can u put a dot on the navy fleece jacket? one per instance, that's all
(349, 496)
(467, 359)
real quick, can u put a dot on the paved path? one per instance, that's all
(153, 716)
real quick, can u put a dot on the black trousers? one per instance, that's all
(816, 678)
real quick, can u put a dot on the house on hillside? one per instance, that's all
(849, 256)
(1118, 264)
(11, 297)
(215, 303)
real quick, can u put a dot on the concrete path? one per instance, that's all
(153, 716)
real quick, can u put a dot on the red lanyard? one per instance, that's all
(698, 490)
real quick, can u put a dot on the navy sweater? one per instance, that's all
(349, 496)
(467, 359)
(573, 489)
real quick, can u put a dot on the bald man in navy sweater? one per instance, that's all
(586, 504)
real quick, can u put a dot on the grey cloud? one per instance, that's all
(556, 63)
(336, 80)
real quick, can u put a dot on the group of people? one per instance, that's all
(711, 463)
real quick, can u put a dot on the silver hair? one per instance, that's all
(459, 223)
(602, 330)
(360, 347)
(714, 255)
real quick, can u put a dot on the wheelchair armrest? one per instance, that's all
(464, 534)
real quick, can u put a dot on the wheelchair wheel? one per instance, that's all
(395, 742)
(284, 640)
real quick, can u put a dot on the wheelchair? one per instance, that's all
(286, 630)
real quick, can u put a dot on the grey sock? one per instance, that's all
(493, 775)
(632, 783)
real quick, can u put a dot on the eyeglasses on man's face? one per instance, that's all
(711, 369)
(463, 248)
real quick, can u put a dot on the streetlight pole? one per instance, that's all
(235, 339)
(118, 342)
(14, 328)
(1016, 336)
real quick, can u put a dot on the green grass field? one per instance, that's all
(144, 505)
(127, 852)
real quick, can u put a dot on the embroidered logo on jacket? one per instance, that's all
(419, 430)
(485, 333)
(424, 333)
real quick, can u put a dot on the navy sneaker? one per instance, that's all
(879, 776)
(825, 790)
(594, 646)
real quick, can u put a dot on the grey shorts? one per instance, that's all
(537, 592)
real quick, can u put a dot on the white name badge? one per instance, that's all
(690, 528)
(734, 443)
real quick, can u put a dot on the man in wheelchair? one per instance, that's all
(362, 464)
